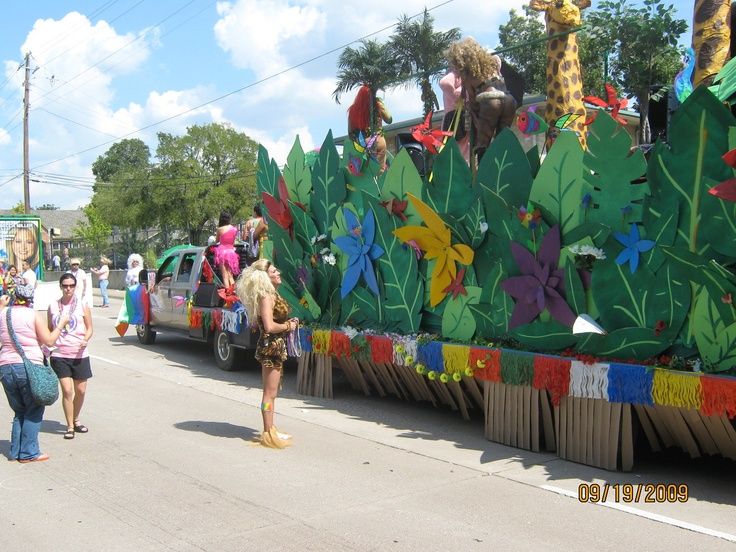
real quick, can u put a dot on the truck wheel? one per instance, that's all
(227, 357)
(145, 334)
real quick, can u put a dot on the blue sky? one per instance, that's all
(105, 69)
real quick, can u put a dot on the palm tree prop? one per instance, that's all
(371, 64)
(420, 52)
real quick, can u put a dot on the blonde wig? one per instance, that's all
(253, 284)
(470, 59)
(104, 260)
(135, 257)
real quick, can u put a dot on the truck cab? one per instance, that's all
(184, 294)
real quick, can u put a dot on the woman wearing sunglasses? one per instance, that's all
(70, 358)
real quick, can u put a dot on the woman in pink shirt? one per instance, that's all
(70, 358)
(31, 332)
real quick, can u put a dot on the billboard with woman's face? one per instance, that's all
(20, 240)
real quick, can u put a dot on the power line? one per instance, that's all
(260, 81)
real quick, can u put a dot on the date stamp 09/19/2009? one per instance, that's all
(652, 493)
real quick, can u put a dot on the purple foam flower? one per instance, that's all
(361, 250)
(541, 284)
(633, 247)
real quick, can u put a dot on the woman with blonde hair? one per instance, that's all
(103, 274)
(24, 246)
(257, 288)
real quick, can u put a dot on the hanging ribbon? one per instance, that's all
(195, 318)
(517, 368)
(485, 363)
(294, 343)
(719, 396)
(552, 374)
(231, 321)
(455, 358)
(630, 384)
(679, 389)
(588, 381)
(360, 348)
(217, 319)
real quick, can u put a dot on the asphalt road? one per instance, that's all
(169, 463)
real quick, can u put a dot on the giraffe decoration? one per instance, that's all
(564, 83)
(711, 38)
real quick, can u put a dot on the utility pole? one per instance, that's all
(26, 175)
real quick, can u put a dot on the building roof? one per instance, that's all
(63, 219)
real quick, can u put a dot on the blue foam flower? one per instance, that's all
(633, 247)
(358, 245)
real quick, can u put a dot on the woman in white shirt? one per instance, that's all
(135, 265)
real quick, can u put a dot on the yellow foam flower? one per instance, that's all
(435, 240)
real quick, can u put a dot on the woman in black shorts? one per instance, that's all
(70, 358)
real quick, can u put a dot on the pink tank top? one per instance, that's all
(228, 237)
(24, 325)
(69, 344)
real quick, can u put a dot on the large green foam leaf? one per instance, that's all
(457, 320)
(716, 341)
(287, 253)
(298, 175)
(403, 290)
(627, 343)
(544, 336)
(724, 86)
(267, 179)
(504, 170)
(402, 178)
(640, 300)
(494, 311)
(304, 228)
(681, 173)
(611, 169)
(328, 183)
(574, 292)
(559, 185)
(450, 190)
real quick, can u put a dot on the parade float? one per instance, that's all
(574, 301)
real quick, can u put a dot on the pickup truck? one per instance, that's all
(184, 300)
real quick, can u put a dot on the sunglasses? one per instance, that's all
(68, 286)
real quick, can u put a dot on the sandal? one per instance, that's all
(79, 428)
(69, 433)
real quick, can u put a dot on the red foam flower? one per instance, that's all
(432, 139)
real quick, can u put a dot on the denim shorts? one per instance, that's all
(75, 368)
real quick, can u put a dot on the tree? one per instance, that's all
(644, 48)
(420, 51)
(47, 207)
(372, 64)
(122, 158)
(95, 231)
(523, 36)
(19, 208)
(210, 169)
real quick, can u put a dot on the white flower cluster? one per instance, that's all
(319, 238)
(587, 250)
(483, 227)
(329, 259)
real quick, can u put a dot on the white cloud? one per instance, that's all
(256, 32)
(4, 137)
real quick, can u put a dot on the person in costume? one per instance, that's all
(255, 232)
(135, 265)
(366, 116)
(11, 281)
(452, 89)
(70, 358)
(227, 260)
(257, 288)
(31, 333)
(488, 104)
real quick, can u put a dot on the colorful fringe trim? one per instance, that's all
(455, 358)
(588, 381)
(430, 354)
(552, 374)
(321, 341)
(340, 345)
(485, 363)
(719, 396)
(517, 368)
(681, 389)
(305, 336)
(630, 384)
(382, 350)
